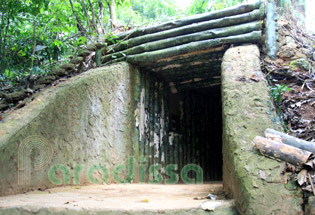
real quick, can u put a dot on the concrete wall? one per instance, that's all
(86, 121)
(253, 180)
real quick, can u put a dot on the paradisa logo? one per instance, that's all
(59, 174)
(155, 174)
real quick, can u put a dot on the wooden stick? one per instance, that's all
(309, 177)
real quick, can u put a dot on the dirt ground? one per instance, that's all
(131, 197)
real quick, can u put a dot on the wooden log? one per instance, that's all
(231, 11)
(187, 67)
(214, 51)
(192, 76)
(149, 57)
(281, 151)
(290, 140)
(195, 75)
(203, 26)
(199, 84)
(179, 40)
(196, 57)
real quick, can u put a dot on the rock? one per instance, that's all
(84, 53)
(91, 47)
(308, 52)
(282, 41)
(3, 105)
(46, 79)
(286, 52)
(29, 90)
(16, 96)
(76, 60)
(39, 86)
(290, 42)
(302, 63)
(288, 47)
(69, 66)
(100, 45)
(210, 205)
(59, 72)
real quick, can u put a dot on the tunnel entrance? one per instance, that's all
(195, 116)
(181, 123)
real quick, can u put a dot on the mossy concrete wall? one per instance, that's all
(87, 121)
(253, 180)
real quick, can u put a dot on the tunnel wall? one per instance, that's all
(86, 121)
(253, 180)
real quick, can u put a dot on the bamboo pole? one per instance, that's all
(199, 84)
(184, 39)
(231, 11)
(290, 140)
(196, 27)
(188, 67)
(281, 151)
(165, 63)
(149, 57)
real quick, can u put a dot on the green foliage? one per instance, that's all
(201, 6)
(12, 77)
(37, 35)
(152, 11)
(111, 38)
(277, 91)
(292, 65)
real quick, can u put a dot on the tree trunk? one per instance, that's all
(86, 14)
(100, 17)
(79, 24)
(6, 33)
(281, 151)
(2, 26)
(93, 17)
(112, 11)
(34, 42)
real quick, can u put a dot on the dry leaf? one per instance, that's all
(301, 177)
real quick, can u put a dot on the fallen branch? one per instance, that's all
(310, 179)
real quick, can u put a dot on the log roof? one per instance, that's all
(188, 51)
